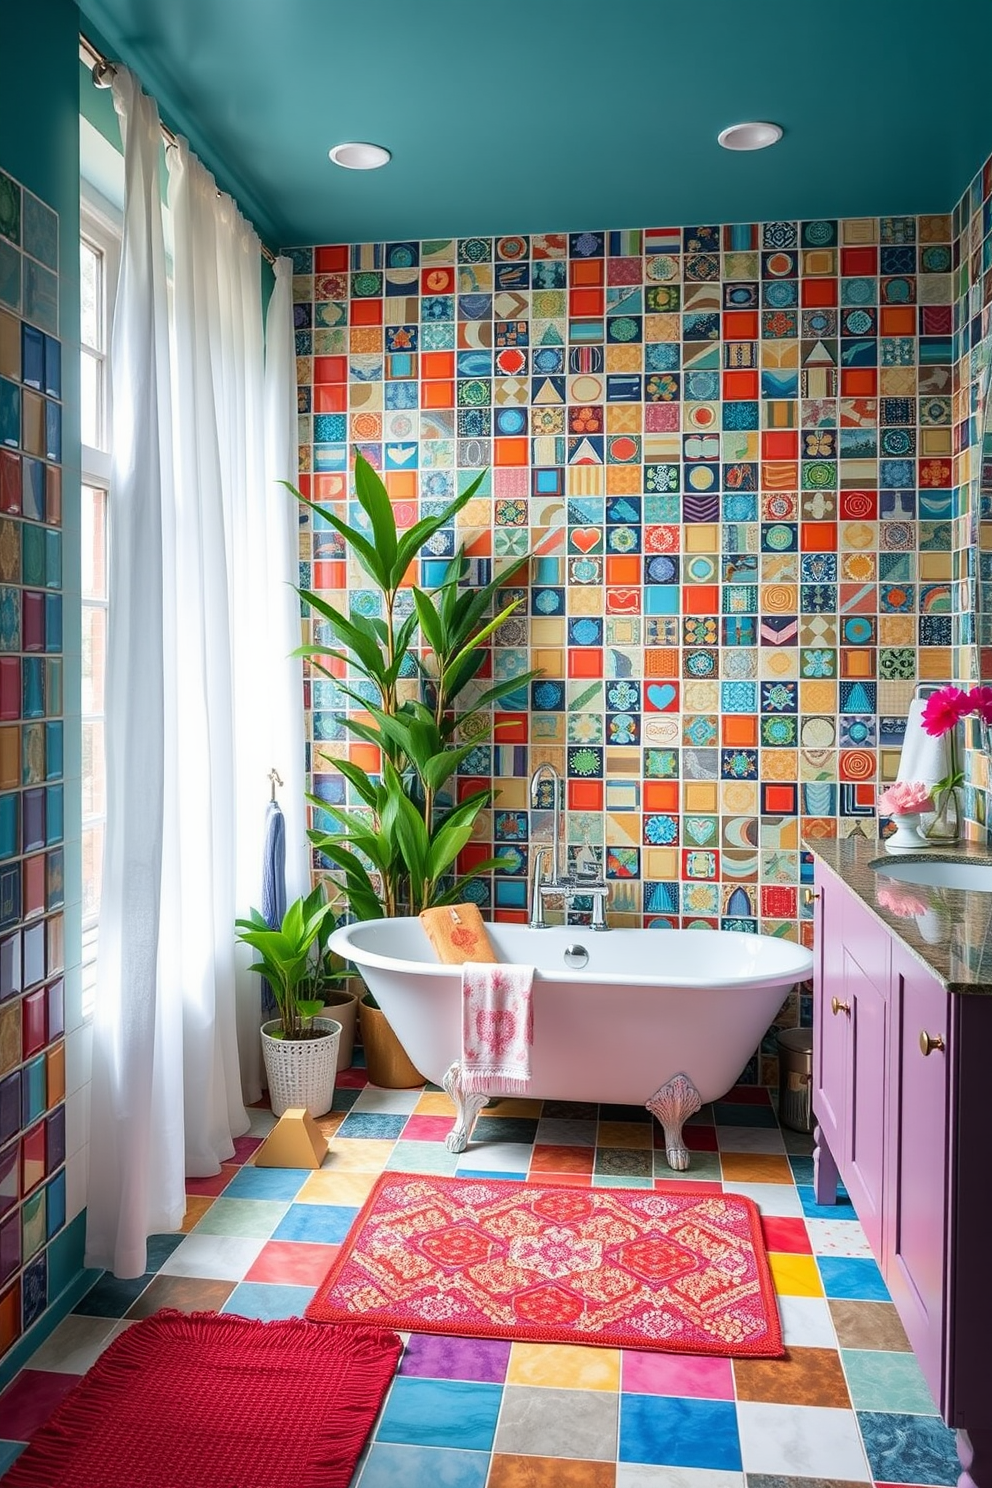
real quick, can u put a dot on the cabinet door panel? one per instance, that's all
(917, 1236)
(869, 1008)
(830, 1032)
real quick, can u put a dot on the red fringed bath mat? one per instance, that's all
(669, 1270)
(222, 1401)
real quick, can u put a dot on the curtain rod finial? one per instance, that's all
(103, 74)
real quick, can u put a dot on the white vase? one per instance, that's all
(907, 836)
(301, 1072)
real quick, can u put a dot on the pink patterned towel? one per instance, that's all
(497, 1028)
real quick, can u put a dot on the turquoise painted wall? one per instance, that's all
(39, 146)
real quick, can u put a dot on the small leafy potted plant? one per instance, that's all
(299, 1048)
(396, 845)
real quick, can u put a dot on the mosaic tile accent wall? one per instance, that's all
(731, 450)
(973, 546)
(32, 955)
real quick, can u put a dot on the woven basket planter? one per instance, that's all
(301, 1072)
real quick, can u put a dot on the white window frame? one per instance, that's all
(100, 226)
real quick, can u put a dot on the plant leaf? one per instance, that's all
(374, 500)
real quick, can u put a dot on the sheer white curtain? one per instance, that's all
(200, 633)
(136, 1113)
(285, 718)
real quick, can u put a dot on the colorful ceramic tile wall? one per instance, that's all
(32, 961)
(731, 451)
(973, 544)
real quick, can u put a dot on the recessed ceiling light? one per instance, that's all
(752, 136)
(356, 156)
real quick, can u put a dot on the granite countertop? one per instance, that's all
(948, 930)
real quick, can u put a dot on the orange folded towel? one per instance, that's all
(458, 934)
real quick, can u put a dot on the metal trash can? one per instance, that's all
(795, 1078)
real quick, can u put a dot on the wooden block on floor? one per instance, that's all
(295, 1141)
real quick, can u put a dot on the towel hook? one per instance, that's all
(274, 779)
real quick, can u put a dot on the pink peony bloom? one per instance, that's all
(980, 700)
(904, 798)
(895, 897)
(944, 708)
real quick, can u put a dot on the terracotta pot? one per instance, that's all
(342, 1005)
(385, 1058)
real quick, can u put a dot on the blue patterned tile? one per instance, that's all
(372, 1125)
(268, 1301)
(441, 1413)
(675, 1432)
(266, 1183)
(389, 1466)
(909, 1449)
(322, 1224)
(852, 1278)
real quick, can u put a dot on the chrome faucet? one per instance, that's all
(570, 886)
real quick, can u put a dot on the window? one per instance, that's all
(99, 256)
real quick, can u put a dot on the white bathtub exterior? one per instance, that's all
(647, 1006)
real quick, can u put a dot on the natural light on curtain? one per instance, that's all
(202, 621)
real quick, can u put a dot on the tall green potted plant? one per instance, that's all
(396, 847)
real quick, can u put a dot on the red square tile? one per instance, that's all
(10, 687)
(696, 1138)
(585, 795)
(244, 1148)
(292, 1263)
(331, 258)
(558, 1158)
(214, 1185)
(817, 292)
(561, 1180)
(32, 1158)
(366, 312)
(427, 1128)
(352, 1079)
(786, 1235)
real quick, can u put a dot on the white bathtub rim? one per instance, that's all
(340, 943)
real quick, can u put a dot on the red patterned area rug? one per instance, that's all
(202, 1398)
(670, 1270)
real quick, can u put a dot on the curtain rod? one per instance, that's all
(103, 70)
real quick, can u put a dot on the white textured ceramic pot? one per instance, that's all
(301, 1072)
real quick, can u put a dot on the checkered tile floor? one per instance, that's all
(847, 1405)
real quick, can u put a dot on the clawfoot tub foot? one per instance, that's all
(673, 1104)
(467, 1108)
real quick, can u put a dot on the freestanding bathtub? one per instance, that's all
(663, 1018)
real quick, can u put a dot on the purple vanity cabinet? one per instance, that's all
(851, 1011)
(916, 1243)
(902, 1095)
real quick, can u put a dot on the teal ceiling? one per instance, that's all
(546, 115)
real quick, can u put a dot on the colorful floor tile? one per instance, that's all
(847, 1405)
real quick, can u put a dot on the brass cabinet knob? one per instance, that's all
(929, 1042)
(836, 1006)
(809, 895)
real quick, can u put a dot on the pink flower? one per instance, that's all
(980, 700)
(894, 897)
(905, 797)
(944, 708)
